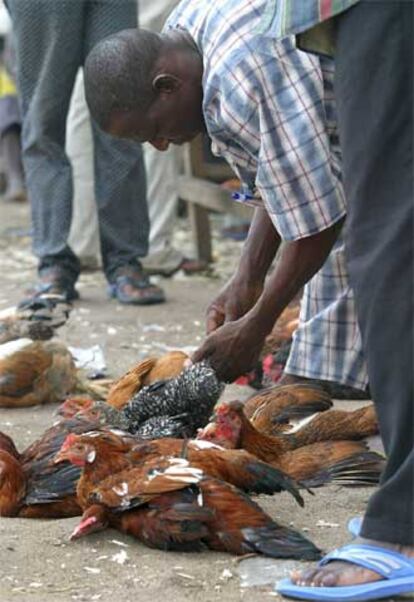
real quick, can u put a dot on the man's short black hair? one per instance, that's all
(118, 73)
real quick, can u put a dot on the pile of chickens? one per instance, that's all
(148, 463)
(161, 458)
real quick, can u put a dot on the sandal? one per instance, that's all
(53, 282)
(133, 287)
(396, 570)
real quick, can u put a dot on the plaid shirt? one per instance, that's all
(270, 112)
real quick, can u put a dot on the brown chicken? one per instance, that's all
(169, 522)
(134, 502)
(283, 329)
(272, 417)
(74, 404)
(313, 464)
(143, 374)
(7, 444)
(12, 484)
(271, 410)
(50, 489)
(36, 320)
(35, 373)
(335, 425)
(102, 454)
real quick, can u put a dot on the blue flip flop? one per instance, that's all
(397, 572)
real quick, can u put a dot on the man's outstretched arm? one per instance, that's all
(234, 348)
(244, 288)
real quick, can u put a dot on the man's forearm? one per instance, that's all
(260, 248)
(299, 261)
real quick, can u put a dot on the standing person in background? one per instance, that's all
(52, 40)
(162, 179)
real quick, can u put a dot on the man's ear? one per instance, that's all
(165, 83)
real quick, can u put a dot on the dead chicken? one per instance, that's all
(32, 485)
(176, 407)
(143, 374)
(36, 320)
(314, 464)
(272, 410)
(38, 372)
(136, 500)
(105, 453)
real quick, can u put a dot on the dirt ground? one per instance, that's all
(37, 561)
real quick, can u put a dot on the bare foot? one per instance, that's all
(337, 574)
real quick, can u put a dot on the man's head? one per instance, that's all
(146, 86)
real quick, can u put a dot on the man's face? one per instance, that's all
(172, 118)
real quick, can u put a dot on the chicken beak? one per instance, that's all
(83, 527)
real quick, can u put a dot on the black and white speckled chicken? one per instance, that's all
(177, 407)
(36, 319)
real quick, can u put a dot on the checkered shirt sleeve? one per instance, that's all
(271, 117)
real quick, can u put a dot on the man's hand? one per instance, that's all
(232, 303)
(233, 349)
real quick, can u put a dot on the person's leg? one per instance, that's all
(161, 169)
(48, 37)
(84, 232)
(376, 131)
(120, 192)
(374, 87)
(120, 183)
(12, 155)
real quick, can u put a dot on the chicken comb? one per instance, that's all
(227, 407)
(69, 441)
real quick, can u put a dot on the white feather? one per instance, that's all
(201, 444)
(186, 479)
(178, 461)
(183, 471)
(296, 425)
(7, 349)
(121, 489)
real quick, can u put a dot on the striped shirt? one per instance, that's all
(310, 18)
(269, 110)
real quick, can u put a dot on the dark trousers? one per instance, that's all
(52, 40)
(374, 86)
